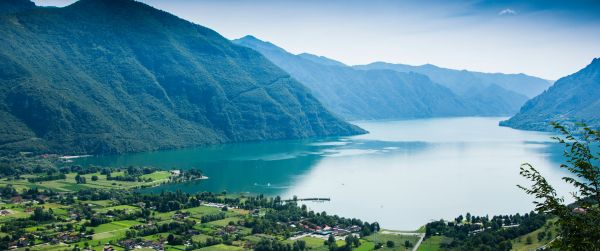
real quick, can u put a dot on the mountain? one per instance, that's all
(462, 81)
(358, 94)
(574, 98)
(13, 6)
(492, 93)
(113, 76)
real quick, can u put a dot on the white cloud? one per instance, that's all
(509, 12)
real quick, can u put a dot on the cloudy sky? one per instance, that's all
(544, 38)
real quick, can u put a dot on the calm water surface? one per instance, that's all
(402, 174)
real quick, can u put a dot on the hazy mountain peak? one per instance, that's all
(321, 59)
(595, 64)
(252, 41)
(461, 81)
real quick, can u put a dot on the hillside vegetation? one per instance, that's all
(357, 94)
(112, 76)
(571, 99)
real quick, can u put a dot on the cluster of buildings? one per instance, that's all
(323, 232)
(21, 242)
(68, 237)
(212, 204)
(5, 212)
(136, 244)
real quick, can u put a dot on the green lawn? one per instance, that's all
(520, 243)
(433, 243)
(365, 246)
(43, 247)
(200, 238)
(224, 222)
(197, 212)
(115, 225)
(221, 247)
(17, 211)
(127, 208)
(396, 238)
(156, 236)
(312, 242)
(158, 176)
(70, 185)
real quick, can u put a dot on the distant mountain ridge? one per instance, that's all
(493, 93)
(461, 81)
(572, 99)
(113, 76)
(357, 94)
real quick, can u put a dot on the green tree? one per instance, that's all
(407, 244)
(390, 244)
(579, 223)
(541, 235)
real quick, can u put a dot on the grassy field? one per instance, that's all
(115, 225)
(221, 247)
(224, 222)
(433, 243)
(70, 185)
(198, 212)
(112, 231)
(365, 246)
(16, 211)
(127, 208)
(200, 238)
(520, 243)
(311, 242)
(43, 247)
(396, 238)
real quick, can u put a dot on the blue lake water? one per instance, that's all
(402, 174)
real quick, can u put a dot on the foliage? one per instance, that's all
(579, 222)
(485, 233)
(113, 76)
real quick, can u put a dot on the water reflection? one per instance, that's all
(402, 174)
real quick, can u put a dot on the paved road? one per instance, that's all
(419, 242)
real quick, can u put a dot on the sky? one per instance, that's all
(544, 38)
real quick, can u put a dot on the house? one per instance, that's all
(43, 197)
(16, 199)
(230, 229)
(354, 229)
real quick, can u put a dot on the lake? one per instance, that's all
(402, 174)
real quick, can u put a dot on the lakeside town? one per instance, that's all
(60, 206)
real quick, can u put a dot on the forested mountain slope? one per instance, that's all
(574, 98)
(358, 94)
(111, 76)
